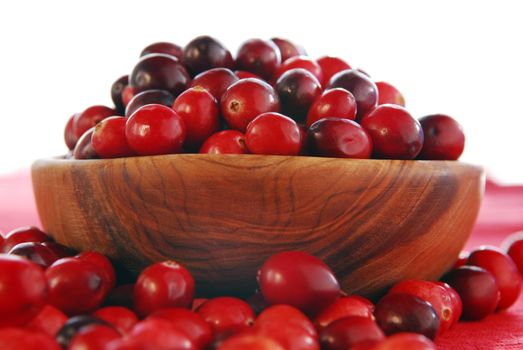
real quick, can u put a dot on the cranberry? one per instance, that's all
(297, 89)
(161, 285)
(462, 259)
(402, 341)
(225, 142)
(333, 103)
(159, 71)
(155, 129)
(165, 48)
(121, 296)
(343, 307)
(394, 132)
(160, 334)
(245, 100)
(190, 323)
(364, 90)
(200, 113)
(89, 118)
(251, 342)
(116, 92)
(21, 339)
(119, 317)
(160, 97)
(444, 138)
(93, 337)
(227, 315)
(23, 290)
(273, 133)
(108, 139)
(402, 312)
(60, 250)
(49, 320)
(75, 286)
(456, 304)
(127, 95)
(478, 291)
(75, 325)
(344, 333)
(215, 80)
(330, 66)
(24, 235)
(504, 271)
(287, 48)
(388, 94)
(513, 245)
(69, 136)
(204, 53)
(261, 57)
(35, 252)
(84, 148)
(103, 265)
(241, 74)
(300, 62)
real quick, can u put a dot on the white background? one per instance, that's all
(461, 58)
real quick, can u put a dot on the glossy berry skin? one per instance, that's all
(444, 138)
(108, 139)
(395, 133)
(159, 71)
(340, 138)
(241, 74)
(74, 325)
(227, 315)
(49, 320)
(89, 118)
(204, 53)
(245, 100)
(388, 94)
(159, 334)
(60, 250)
(462, 259)
(406, 313)
(225, 142)
(299, 62)
(343, 307)
(23, 235)
(287, 48)
(23, 290)
(298, 279)
(116, 93)
(504, 271)
(75, 286)
(410, 341)
(251, 342)
(93, 337)
(333, 103)
(127, 95)
(165, 48)
(455, 299)
(273, 133)
(297, 89)
(155, 129)
(21, 339)
(478, 291)
(360, 85)
(513, 246)
(35, 252)
(160, 97)
(200, 113)
(103, 265)
(121, 318)
(215, 80)
(69, 136)
(346, 332)
(161, 285)
(261, 57)
(84, 147)
(329, 66)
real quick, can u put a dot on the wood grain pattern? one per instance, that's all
(373, 221)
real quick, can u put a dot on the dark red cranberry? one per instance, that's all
(406, 313)
(343, 307)
(116, 93)
(121, 318)
(388, 94)
(249, 341)
(103, 265)
(225, 142)
(89, 118)
(121, 296)
(22, 339)
(261, 57)
(241, 74)
(404, 341)
(84, 148)
(364, 90)
(513, 246)
(300, 62)
(333, 103)
(329, 66)
(158, 334)
(75, 325)
(24, 235)
(444, 138)
(245, 100)
(287, 48)
(161, 285)
(204, 53)
(227, 315)
(108, 139)
(60, 250)
(155, 129)
(197, 302)
(49, 320)
(504, 271)
(200, 113)
(215, 80)
(394, 132)
(160, 97)
(273, 133)
(165, 48)
(35, 252)
(346, 332)
(69, 136)
(23, 291)
(93, 337)
(159, 71)
(297, 89)
(456, 304)
(478, 291)
(127, 95)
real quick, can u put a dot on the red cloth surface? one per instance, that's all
(501, 214)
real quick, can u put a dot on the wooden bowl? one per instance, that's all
(374, 222)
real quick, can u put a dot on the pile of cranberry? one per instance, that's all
(272, 99)
(53, 298)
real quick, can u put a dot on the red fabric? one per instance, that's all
(501, 214)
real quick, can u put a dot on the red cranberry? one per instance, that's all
(273, 133)
(204, 53)
(160, 97)
(103, 265)
(158, 334)
(406, 313)
(116, 93)
(394, 132)
(330, 66)
(49, 320)
(245, 100)
(227, 315)
(241, 74)
(108, 139)
(200, 113)
(93, 337)
(155, 129)
(121, 296)
(261, 57)
(462, 259)
(24, 235)
(119, 317)
(21, 339)
(513, 245)
(69, 136)
(225, 142)
(197, 302)
(504, 271)
(364, 90)
(346, 332)
(60, 250)
(402, 341)
(297, 89)
(84, 147)
(444, 138)
(456, 304)
(333, 103)
(298, 279)
(89, 118)
(287, 48)
(300, 62)
(215, 80)
(478, 291)
(165, 48)
(388, 94)
(23, 290)
(159, 71)
(127, 95)
(35, 252)
(161, 285)
(251, 342)
(75, 325)
(343, 307)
